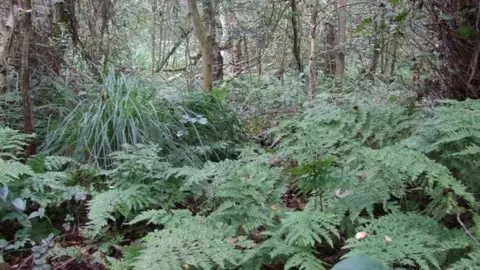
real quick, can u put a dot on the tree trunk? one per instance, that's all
(237, 45)
(312, 68)
(377, 50)
(281, 70)
(6, 27)
(206, 44)
(209, 10)
(225, 39)
(24, 88)
(328, 36)
(394, 56)
(154, 34)
(341, 38)
(296, 38)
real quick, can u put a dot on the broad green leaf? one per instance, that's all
(465, 30)
(19, 204)
(360, 262)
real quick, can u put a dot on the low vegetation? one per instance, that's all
(239, 135)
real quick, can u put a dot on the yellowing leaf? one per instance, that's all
(388, 238)
(361, 235)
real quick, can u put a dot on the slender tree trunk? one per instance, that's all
(341, 38)
(312, 67)
(377, 49)
(24, 89)
(154, 34)
(237, 46)
(260, 45)
(174, 49)
(206, 44)
(161, 34)
(209, 11)
(6, 28)
(284, 57)
(247, 55)
(296, 38)
(394, 56)
(383, 57)
(328, 35)
(225, 38)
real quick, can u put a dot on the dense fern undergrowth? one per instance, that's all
(130, 180)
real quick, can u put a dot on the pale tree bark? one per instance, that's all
(296, 38)
(341, 38)
(281, 70)
(7, 22)
(206, 44)
(25, 74)
(225, 38)
(237, 45)
(312, 63)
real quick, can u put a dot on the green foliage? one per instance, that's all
(338, 127)
(193, 242)
(408, 240)
(125, 110)
(358, 170)
(471, 261)
(452, 137)
(28, 190)
(244, 194)
(104, 205)
(293, 241)
(360, 262)
(393, 171)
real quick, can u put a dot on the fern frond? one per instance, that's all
(162, 217)
(195, 244)
(305, 228)
(56, 162)
(103, 206)
(329, 129)
(406, 239)
(472, 261)
(12, 141)
(304, 261)
(390, 171)
(12, 170)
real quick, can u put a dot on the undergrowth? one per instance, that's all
(124, 110)
(177, 186)
(374, 180)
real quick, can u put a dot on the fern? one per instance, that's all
(472, 261)
(162, 217)
(407, 239)
(11, 142)
(56, 162)
(195, 243)
(12, 170)
(306, 228)
(244, 194)
(294, 240)
(103, 206)
(452, 136)
(330, 129)
(392, 171)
